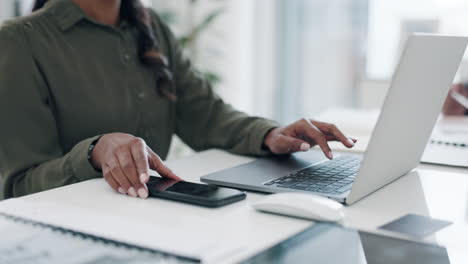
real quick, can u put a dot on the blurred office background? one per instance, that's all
(286, 59)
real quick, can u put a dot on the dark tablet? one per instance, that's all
(328, 243)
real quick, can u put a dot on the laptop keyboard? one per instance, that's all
(332, 177)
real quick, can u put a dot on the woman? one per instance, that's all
(92, 88)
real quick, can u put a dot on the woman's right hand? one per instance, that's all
(451, 106)
(126, 161)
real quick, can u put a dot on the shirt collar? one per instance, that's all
(66, 12)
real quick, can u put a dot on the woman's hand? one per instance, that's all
(451, 106)
(304, 134)
(125, 161)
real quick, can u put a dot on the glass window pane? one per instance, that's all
(323, 44)
(391, 22)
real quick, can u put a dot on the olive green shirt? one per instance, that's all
(66, 79)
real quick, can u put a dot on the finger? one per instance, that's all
(332, 130)
(286, 145)
(158, 165)
(140, 157)
(111, 181)
(119, 176)
(323, 144)
(129, 169)
(314, 134)
(333, 138)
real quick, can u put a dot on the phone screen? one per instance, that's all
(194, 193)
(188, 188)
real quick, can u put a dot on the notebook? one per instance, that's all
(26, 241)
(163, 233)
(447, 150)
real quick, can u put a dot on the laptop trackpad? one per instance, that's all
(266, 169)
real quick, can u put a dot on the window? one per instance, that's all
(13, 8)
(390, 23)
(322, 55)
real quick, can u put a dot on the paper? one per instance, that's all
(168, 237)
(23, 242)
(452, 126)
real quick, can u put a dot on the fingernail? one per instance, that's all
(143, 178)
(330, 155)
(305, 147)
(143, 193)
(351, 142)
(122, 191)
(132, 192)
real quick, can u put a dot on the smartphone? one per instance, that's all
(193, 193)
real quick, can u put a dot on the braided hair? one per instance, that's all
(149, 51)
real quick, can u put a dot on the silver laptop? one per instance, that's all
(413, 103)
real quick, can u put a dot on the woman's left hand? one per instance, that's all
(304, 134)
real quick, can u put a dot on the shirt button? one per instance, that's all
(141, 95)
(126, 57)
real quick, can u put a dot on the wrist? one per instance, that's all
(92, 154)
(269, 138)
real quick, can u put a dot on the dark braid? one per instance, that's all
(148, 47)
(39, 4)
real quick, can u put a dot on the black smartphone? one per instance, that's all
(193, 193)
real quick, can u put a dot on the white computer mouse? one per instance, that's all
(301, 205)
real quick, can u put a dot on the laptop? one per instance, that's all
(419, 87)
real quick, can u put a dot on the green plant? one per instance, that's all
(189, 39)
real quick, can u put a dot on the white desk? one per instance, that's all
(92, 206)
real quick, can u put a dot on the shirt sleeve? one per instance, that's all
(31, 157)
(203, 120)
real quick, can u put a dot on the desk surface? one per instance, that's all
(237, 231)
